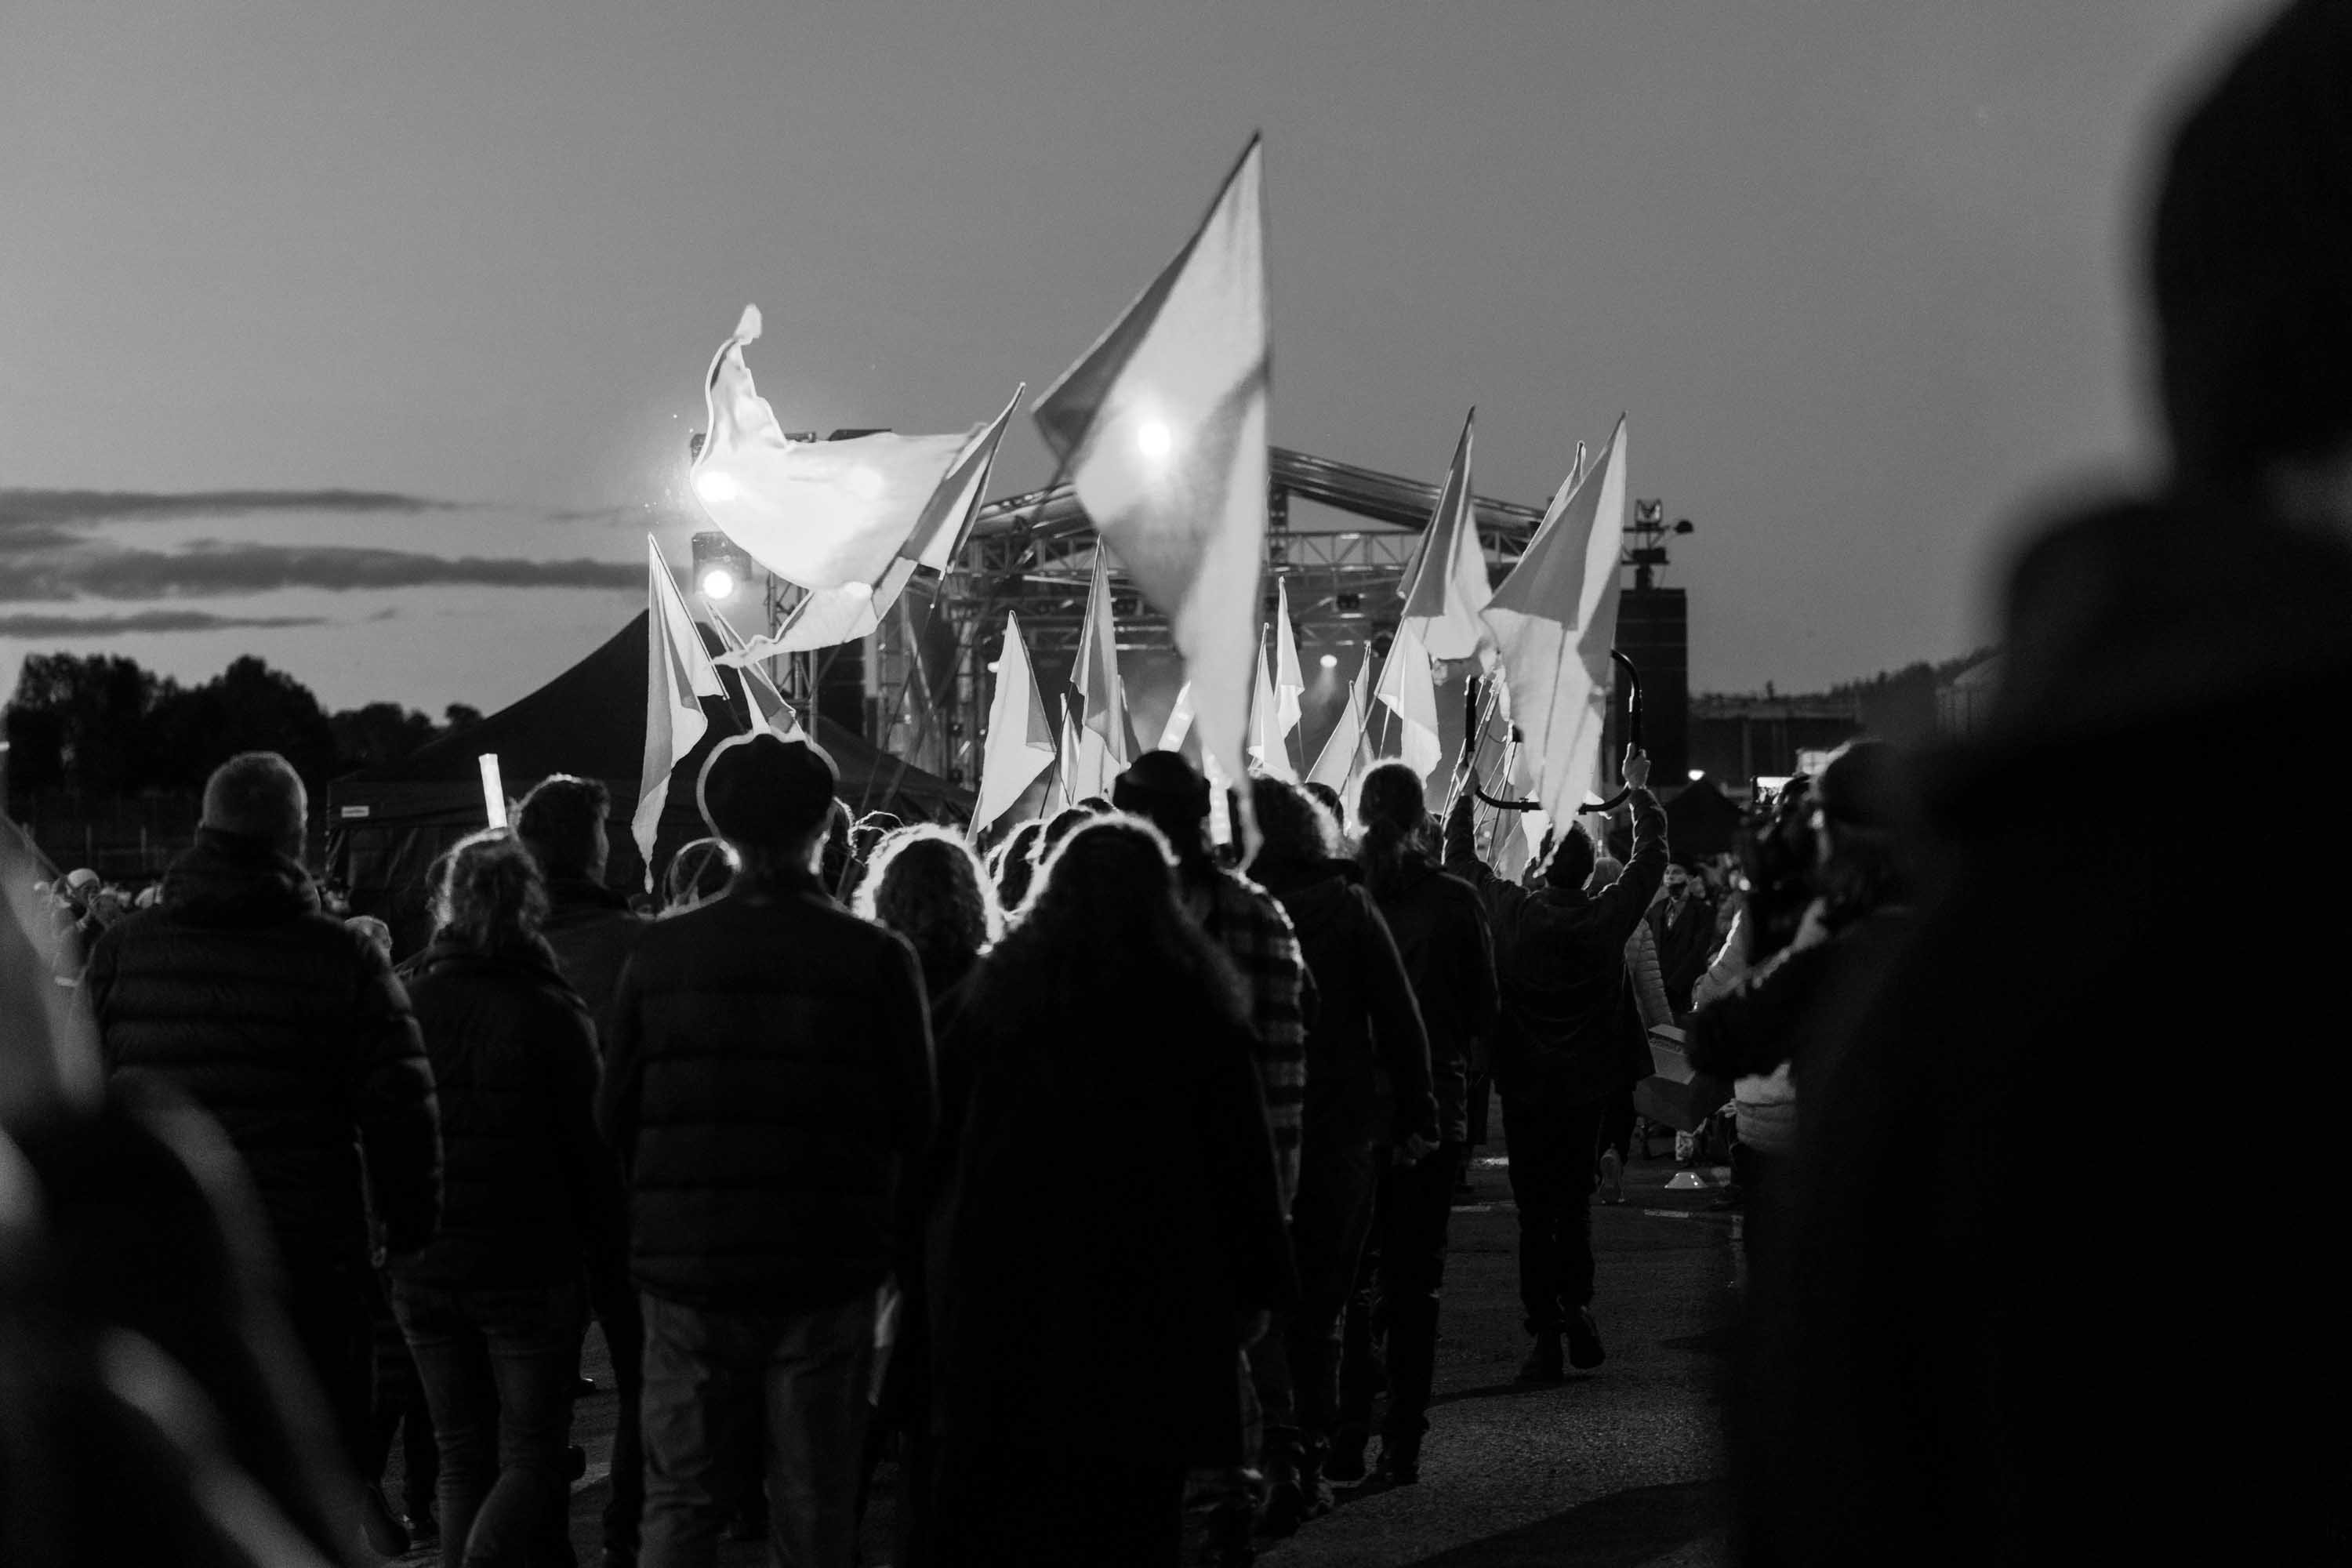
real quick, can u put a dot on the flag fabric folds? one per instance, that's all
(1018, 742)
(768, 704)
(1065, 775)
(1341, 762)
(1106, 745)
(829, 617)
(1162, 428)
(1554, 618)
(1409, 692)
(1180, 720)
(1446, 586)
(823, 514)
(1268, 751)
(678, 676)
(1289, 684)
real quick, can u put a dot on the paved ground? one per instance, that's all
(1619, 1467)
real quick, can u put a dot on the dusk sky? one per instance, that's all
(1863, 276)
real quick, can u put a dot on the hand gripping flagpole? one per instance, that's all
(1632, 736)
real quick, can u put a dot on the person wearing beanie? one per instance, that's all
(289, 1028)
(768, 1088)
(1562, 1052)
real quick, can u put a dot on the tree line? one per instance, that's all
(105, 724)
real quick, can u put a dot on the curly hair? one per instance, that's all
(926, 884)
(1294, 824)
(490, 894)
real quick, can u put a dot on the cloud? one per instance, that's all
(208, 568)
(50, 625)
(30, 509)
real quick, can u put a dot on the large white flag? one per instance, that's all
(1019, 744)
(823, 514)
(1444, 585)
(1554, 618)
(1162, 427)
(1267, 750)
(1289, 684)
(1341, 761)
(678, 676)
(768, 704)
(1106, 745)
(827, 617)
(1411, 694)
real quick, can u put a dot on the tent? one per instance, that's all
(386, 825)
(1700, 822)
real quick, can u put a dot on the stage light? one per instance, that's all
(715, 486)
(864, 483)
(1330, 661)
(718, 584)
(1154, 439)
(1696, 774)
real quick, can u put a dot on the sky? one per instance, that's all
(367, 338)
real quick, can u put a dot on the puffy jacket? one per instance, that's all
(529, 1191)
(1368, 1072)
(591, 929)
(1441, 934)
(1561, 958)
(768, 1085)
(289, 1028)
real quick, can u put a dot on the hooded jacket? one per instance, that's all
(529, 1191)
(291, 1031)
(1441, 936)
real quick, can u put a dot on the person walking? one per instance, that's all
(1084, 1366)
(1644, 1008)
(1561, 1054)
(768, 1087)
(1442, 938)
(493, 1307)
(1682, 922)
(1368, 1099)
(239, 992)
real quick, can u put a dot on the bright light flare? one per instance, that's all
(715, 486)
(1696, 774)
(1154, 439)
(718, 584)
(1329, 661)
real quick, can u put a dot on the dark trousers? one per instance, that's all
(1617, 1124)
(1005, 1507)
(328, 1309)
(1296, 1365)
(624, 1336)
(1553, 1144)
(497, 1365)
(1391, 1324)
(710, 1378)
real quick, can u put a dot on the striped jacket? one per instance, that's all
(1244, 921)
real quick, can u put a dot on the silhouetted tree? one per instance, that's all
(79, 722)
(378, 733)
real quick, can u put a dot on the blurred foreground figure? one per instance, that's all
(1084, 1365)
(1987, 1342)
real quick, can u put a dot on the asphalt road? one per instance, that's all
(1618, 1467)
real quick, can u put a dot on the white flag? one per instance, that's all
(1290, 685)
(1445, 587)
(1340, 761)
(1267, 750)
(1102, 696)
(1554, 619)
(1412, 695)
(768, 704)
(1162, 427)
(678, 675)
(1019, 745)
(823, 514)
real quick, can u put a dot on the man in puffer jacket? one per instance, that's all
(290, 1029)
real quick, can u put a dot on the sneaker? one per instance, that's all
(1686, 1149)
(1543, 1364)
(1584, 1352)
(1612, 1177)
(384, 1532)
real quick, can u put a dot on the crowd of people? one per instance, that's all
(267, 1203)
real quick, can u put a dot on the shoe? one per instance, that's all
(1399, 1461)
(1584, 1352)
(1345, 1463)
(1543, 1364)
(1612, 1177)
(384, 1532)
(423, 1528)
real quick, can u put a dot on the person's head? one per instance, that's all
(1572, 858)
(77, 887)
(700, 870)
(1066, 821)
(1861, 813)
(771, 799)
(1291, 826)
(490, 895)
(1015, 864)
(1104, 921)
(561, 823)
(1677, 879)
(869, 831)
(379, 934)
(1328, 799)
(1391, 807)
(257, 795)
(1166, 791)
(925, 883)
(1606, 869)
(1095, 805)
(2250, 272)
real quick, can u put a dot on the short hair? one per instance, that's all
(558, 821)
(258, 794)
(1572, 858)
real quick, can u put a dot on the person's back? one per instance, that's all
(590, 927)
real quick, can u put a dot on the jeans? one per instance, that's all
(1553, 1145)
(711, 1377)
(497, 1366)
(1295, 1368)
(1396, 1294)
